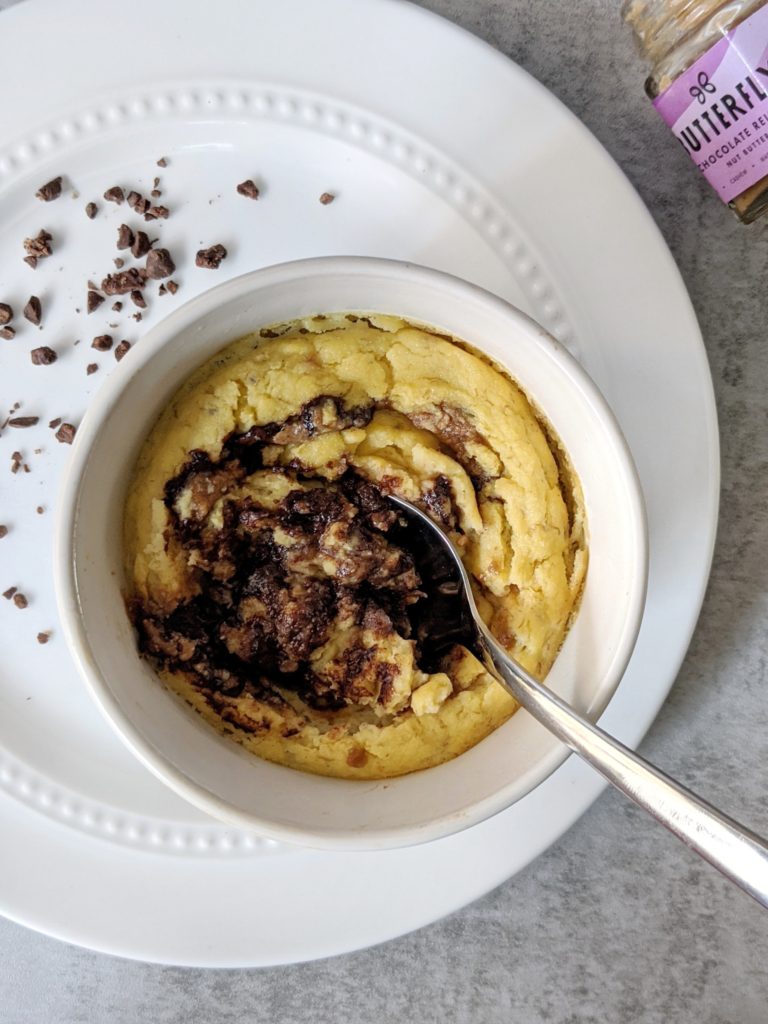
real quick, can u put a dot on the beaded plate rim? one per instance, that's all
(316, 112)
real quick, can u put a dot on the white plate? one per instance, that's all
(477, 171)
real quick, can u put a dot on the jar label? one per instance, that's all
(718, 108)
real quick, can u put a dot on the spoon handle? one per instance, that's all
(737, 852)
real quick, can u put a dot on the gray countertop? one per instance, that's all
(617, 922)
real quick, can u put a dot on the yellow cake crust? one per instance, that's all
(441, 411)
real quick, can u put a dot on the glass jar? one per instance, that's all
(709, 81)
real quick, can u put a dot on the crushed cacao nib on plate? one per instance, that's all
(157, 213)
(54, 423)
(33, 311)
(20, 600)
(43, 638)
(8, 594)
(115, 195)
(159, 264)
(124, 281)
(138, 299)
(91, 210)
(210, 258)
(249, 189)
(121, 349)
(124, 237)
(3, 531)
(91, 368)
(102, 342)
(51, 190)
(141, 245)
(326, 198)
(43, 356)
(93, 300)
(24, 421)
(38, 248)
(66, 433)
(138, 203)
(9, 333)
(6, 314)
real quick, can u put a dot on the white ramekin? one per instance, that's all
(215, 773)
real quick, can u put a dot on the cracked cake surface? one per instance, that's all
(274, 587)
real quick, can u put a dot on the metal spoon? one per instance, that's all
(737, 852)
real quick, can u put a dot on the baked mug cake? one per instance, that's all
(274, 586)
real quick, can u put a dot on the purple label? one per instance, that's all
(718, 108)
